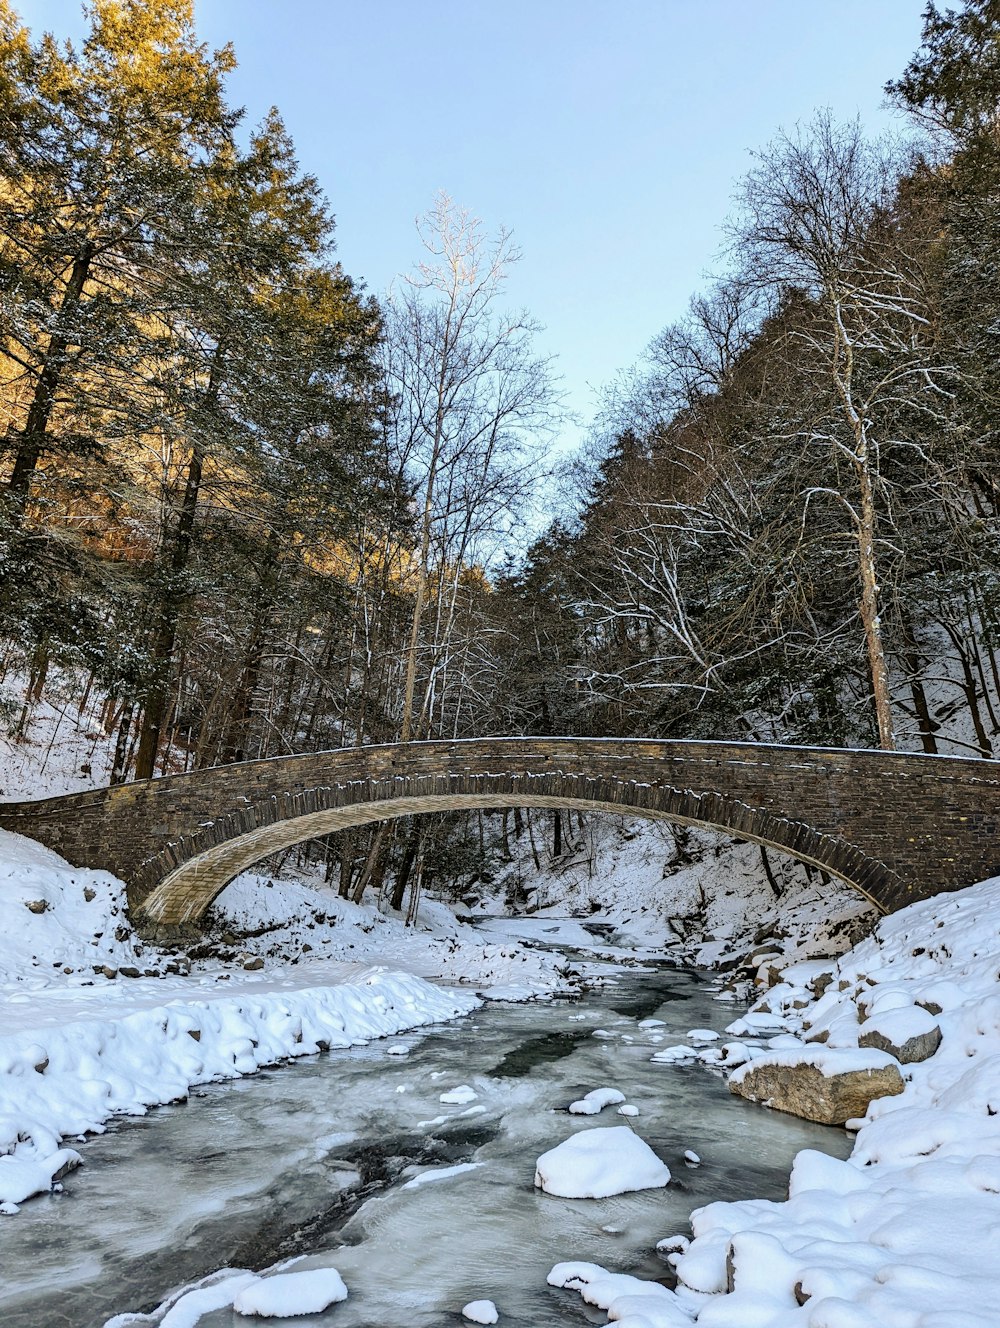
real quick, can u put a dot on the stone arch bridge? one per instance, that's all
(897, 827)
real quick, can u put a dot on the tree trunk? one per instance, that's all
(870, 610)
(35, 433)
(347, 842)
(766, 864)
(911, 661)
(165, 639)
(368, 871)
(119, 762)
(406, 866)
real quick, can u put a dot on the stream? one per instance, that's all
(319, 1158)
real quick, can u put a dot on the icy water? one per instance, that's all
(316, 1158)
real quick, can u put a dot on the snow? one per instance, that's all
(828, 1062)
(281, 1295)
(672, 1055)
(26, 1174)
(480, 1311)
(902, 1234)
(459, 1096)
(287, 1294)
(97, 1023)
(622, 1296)
(99, 1067)
(899, 1025)
(594, 1102)
(597, 1163)
(186, 1308)
(434, 1174)
(704, 898)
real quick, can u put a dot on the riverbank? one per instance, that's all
(904, 1232)
(97, 1024)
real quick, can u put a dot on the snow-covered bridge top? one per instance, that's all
(896, 826)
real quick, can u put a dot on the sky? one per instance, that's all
(608, 135)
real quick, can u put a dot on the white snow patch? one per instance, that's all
(597, 1163)
(285, 1295)
(594, 1102)
(480, 1311)
(459, 1096)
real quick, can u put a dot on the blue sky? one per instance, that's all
(607, 134)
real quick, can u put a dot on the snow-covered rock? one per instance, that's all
(459, 1096)
(831, 1087)
(628, 1300)
(30, 1170)
(597, 1163)
(480, 1311)
(594, 1102)
(909, 1033)
(285, 1295)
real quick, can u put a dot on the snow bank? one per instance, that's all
(97, 1023)
(60, 922)
(597, 1163)
(704, 897)
(63, 1081)
(904, 1232)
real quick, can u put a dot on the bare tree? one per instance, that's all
(820, 218)
(472, 403)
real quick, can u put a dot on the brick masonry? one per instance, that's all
(896, 826)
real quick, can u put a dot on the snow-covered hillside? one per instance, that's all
(711, 901)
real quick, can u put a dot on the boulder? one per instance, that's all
(830, 1087)
(911, 1034)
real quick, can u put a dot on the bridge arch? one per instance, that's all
(192, 871)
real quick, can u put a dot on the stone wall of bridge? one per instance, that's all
(899, 827)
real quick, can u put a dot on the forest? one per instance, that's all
(248, 509)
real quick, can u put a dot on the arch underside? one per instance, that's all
(176, 885)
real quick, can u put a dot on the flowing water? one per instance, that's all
(316, 1158)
